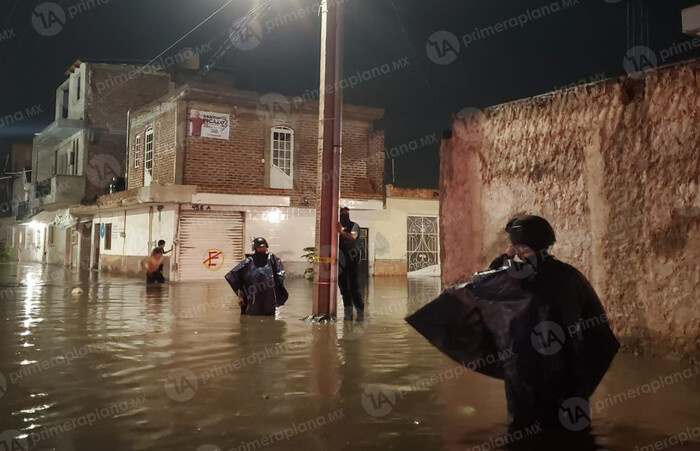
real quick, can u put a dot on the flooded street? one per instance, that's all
(124, 366)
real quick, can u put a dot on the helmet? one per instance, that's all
(260, 241)
(532, 231)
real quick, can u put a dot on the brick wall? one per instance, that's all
(112, 90)
(115, 88)
(240, 165)
(105, 159)
(615, 167)
(162, 119)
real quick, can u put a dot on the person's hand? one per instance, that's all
(524, 252)
(241, 302)
(340, 227)
(510, 252)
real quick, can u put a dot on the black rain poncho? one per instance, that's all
(539, 327)
(257, 283)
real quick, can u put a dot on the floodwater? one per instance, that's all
(126, 367)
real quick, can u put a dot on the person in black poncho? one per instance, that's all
(542, 320)
(259, 281)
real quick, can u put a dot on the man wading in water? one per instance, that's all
(349, 266)
(530, 309)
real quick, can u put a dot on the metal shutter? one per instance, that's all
(211, 243)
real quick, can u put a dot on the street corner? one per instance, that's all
(181, 385)
(548, 338)
(378, 400)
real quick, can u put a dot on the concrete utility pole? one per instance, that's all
(330, 120)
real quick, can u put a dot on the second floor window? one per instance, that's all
(137, 150)
(148, 152)
(282, 169)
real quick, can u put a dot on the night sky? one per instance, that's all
(585, 41)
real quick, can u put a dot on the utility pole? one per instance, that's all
(330, 125)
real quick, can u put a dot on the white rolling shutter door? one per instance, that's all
(211, 243)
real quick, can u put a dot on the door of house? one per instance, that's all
(363, 247)
(423, 256)
(211, 243)
(96, 247)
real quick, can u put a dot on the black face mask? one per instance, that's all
(260, 258)
(345, 220)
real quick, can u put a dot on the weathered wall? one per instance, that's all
(614, 166)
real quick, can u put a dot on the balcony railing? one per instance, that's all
(58, 191)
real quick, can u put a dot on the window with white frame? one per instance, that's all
(148, 153)
(137, 150)
(282, 157)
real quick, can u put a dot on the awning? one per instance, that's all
(43, 217)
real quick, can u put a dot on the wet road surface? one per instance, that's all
(124, 366)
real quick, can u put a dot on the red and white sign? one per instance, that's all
(206, 124)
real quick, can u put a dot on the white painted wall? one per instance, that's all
(391, 225)
(288, 230)
(135, 231)
(31, 248)
(56, 253)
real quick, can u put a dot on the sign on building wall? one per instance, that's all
(64, 220)
(206, 124)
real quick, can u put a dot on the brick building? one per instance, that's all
(210, 167)
(74, 158)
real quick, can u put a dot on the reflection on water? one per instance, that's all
(126, 366)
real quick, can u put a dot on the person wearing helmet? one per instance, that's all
(543, 321)
(258, 281)
(530, 236)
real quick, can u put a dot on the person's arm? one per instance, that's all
(352, 235)
(168, 251)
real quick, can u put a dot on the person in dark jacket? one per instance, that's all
(543, 321)
(349, 266)
(256, 280)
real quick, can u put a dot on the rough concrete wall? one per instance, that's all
(614, 167)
